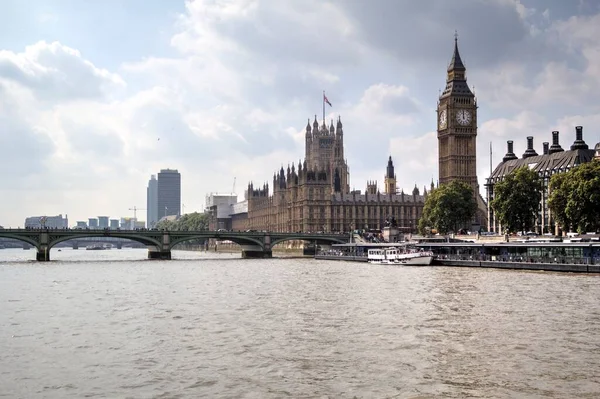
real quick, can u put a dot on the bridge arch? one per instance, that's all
(332, 240)
(150, 241)
(24, 239)
(233, 238)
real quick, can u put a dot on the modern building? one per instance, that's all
(169, 193)
(81, 225)
(51, 222)
(114, 224)
(315, 195)
(93, 223)
(219, 208)
(554, 159)
(128, 223)
(103, 222)
(152, 202)
(239, 216)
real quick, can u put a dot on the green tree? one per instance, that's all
(517, 199)
(448, 208)
(188, 222)
(575, 197)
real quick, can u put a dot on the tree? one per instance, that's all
(189, 222)
(517, 199)
(448, 208)
(575, 197)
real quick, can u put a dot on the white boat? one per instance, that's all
(405, 255)
(95, 247)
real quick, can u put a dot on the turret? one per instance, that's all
(331, 129)
(510, 155)
(282, 178)
(339, 130)
(390, 169)
(555, 147)
(546, 147)
(579, 144)
(530, 152)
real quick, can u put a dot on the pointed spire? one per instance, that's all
(416, 190)
(390, 169)
(456, 62)
(308, 126)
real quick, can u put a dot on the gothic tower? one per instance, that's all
(390, 178)
(457, 126)
(324, 149)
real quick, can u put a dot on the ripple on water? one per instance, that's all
(293, 328)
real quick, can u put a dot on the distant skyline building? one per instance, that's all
(152, 202)
(51, 222)
(81, 225)
(93, 223)
(219, 206)
(103, 222)
(114, 224)
(169, 193)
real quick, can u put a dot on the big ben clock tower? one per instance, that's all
(457, 127)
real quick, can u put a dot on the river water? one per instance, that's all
(110, 324)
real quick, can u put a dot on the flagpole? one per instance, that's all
(323, 106)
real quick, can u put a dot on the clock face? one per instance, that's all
(463, 117)
(443, 119)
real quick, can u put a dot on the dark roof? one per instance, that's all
(456, 62)
(457, 87)
(544, 164)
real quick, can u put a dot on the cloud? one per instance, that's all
(231, 97)
(56, 73)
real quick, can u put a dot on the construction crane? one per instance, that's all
(135, 209)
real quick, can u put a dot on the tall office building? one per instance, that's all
(169, 193)
(152, 202)
(103, 222)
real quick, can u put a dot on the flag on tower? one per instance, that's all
(326, 100)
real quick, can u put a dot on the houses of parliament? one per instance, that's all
(315, 194)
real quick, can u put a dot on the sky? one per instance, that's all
(96, 96)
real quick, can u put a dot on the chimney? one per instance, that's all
(530, 152)
(555, 147)
(510, 155)
(579, 144)
(546, 147)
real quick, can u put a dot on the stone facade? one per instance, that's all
(457, 133)
(314, 195)
(307, 200)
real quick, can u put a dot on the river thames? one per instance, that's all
(110, 324)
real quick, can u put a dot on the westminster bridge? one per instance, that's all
(254, 244)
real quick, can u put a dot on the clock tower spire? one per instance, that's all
(457, 126)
